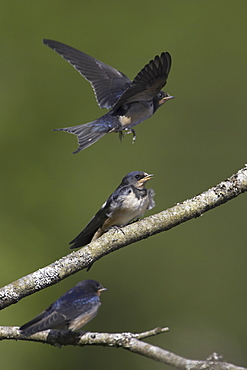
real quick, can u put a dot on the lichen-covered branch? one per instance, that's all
(130, 341)
(113, 240)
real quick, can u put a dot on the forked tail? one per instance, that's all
(87, 134)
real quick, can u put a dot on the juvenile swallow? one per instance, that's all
(71, 311)
(130, 102)
(129, 201)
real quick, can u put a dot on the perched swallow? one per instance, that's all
(129, 201)
(71, 311)
(130, 102)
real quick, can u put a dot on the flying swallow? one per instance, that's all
(71, 311)
(130, 102)
(129, 201)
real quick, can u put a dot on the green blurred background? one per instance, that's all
(192, 278)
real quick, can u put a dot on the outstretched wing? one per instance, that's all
(148, 81)
(107, 82)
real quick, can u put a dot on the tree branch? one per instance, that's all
(114, 240)
(131, 342)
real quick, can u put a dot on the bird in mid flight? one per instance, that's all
(129, 201)
(71, 311)
(130, 102)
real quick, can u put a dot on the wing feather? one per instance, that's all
(107, 82)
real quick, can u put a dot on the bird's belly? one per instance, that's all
(137, 113)
(83, 319)
(131, 208)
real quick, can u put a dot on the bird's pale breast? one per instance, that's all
(84, 318)
(131, 207)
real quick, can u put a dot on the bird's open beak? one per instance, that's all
(146, 178)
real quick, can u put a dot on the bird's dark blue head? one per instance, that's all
(136, 178)
(161, 98)
(91, 286)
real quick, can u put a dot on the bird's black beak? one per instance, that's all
(101, 290)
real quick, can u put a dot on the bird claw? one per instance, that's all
(135, 220)
(128, 131)
(117, 228)
(131, 131)
(121, 135)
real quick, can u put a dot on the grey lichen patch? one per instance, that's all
(125, 342)
(222, 190)
(122, 339)
(242, 177)
(84, 257)
(8, 293)
(44, 277)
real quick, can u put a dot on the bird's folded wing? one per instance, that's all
(88, 232)
(44, 321)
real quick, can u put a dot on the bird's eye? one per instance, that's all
(137, 177)
(160, 95)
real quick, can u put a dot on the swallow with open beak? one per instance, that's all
(130, 102)
(129, 201)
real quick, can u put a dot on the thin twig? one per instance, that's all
(128, 341)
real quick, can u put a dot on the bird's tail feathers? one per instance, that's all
(81, 240)
(32, 326)
(87, 134)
